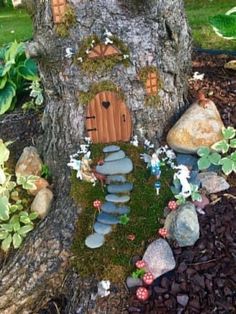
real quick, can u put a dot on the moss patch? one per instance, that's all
(151, 100)
(68, 21)
(100, 65)
(86, 97)
(112, 260)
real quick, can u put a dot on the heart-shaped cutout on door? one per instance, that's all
(106, 104)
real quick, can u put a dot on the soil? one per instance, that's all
(204, 280)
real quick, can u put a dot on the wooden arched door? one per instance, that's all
(108, 119)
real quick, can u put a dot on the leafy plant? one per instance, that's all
(16, 73)
(37, 97)
(45, 172)
(15, 222)
(124, 219)
(223, 155)
(138, 273)
(224, 24)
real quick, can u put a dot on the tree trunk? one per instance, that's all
(157, 35)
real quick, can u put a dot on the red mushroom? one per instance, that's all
(97, 204)
(148, 278)
(142, 294)
(131, 237)
(163, 232)
(140, 264)
(172, 205)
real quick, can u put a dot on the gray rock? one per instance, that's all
(183, 299)
(111, 208)
(94, 240)
(117, 199)
(102, 228)
(111, 149)
(120, 188)
(115, 179)
(121, 166)
(187, 160)
(212, 182)
(183, 225)
(133, 282)
(194, 179)
(107, 219)
(159, 258)
(115, 156)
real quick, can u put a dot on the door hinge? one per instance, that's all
(91, 117)
(90, 130)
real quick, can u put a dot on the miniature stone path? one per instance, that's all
(116, 166)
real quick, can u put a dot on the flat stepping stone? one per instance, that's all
(102, 228)
(105, 218)
(115, 156)
(115, 179)
(111, 208)
(111, 149)
(117, 199)
(121, 166)
(94, 240)
(120, 188)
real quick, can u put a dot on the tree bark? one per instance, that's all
(156, 33)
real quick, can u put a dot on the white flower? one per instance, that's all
(2, 176)
(87, 51)
(197, 76)
(125, 57)
(108, 41)
(104, 288)
(80, 59)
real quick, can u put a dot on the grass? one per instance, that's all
(112, 260)
(14, 25)
(198, 13)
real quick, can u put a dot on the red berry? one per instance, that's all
(140, 264)
(142, 294)
(172, 205)
(131, 237)
(163, 232)
(148, 278)
(97, 204)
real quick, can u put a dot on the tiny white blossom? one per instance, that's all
(80, 59)
(108, 41)
(125, 57)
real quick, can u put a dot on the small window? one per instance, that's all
(58, 10)
(151, 83)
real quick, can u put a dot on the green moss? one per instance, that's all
(112, 260)
(68, 21)
(151, 100)
(100, 65)
(86, 97)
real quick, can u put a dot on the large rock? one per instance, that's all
(29, 163)
(40, 184)
(183, 225)
(42, 202)
(197, 127)
(212, 182)
(159, 258)
(121, 166)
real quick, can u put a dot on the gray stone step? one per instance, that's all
(121, 166)
(117, 199)
(111, 149)
(115, 179)
(102, 228)
(94, 240)
(105, 218)
(115, 156)
(111, 208)
(120, 188)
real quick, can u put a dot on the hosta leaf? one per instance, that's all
(221, 146)
(233, 156)
(11, 52)
(203, 163)
(7, 227)
(203, 151)
(6, 243)
(232, 143)
(2, 176)
(3, 234)
(215, 158)
(6, 97)
(228, 132)
(5, 68)
(29, 70)
(224, 25)
(3, 81)
(227, 165)
(4, 208)
(33, 216)
(25, 220)
(17, 240)
(25, 229)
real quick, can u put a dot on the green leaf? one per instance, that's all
(3, 81)
(124, 219)
(4, 153)
(25, 220)
(224, 25)
(25, 229)
(7, 227)
(11, 52)
(233, 156)
(221, 146)
(4, 208)
(17, 240)
(29, 70)
(228, 132)
(203, 163)
(203, 151)
(232, 143)
(227, 165)
(5, 68)
(6, 243)
(6, 97)
(215, 158)
(138, 273)
(3, 234)
(33, 216)
(196, 196)
(27, 182)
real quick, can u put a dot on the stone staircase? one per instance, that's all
(116, 166)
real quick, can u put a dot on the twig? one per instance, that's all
(229, 196)
(56, 307)
(206, 262)
(215, 201)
